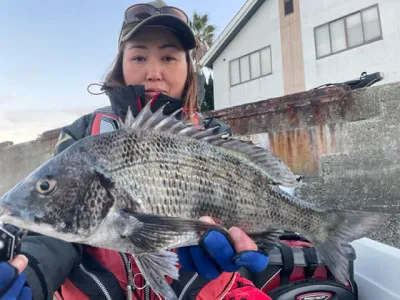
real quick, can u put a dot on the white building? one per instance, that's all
(277, 47)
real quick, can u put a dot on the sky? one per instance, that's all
(50, 51)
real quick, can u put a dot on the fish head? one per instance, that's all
(65, 198)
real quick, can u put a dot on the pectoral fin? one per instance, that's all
(152, 232)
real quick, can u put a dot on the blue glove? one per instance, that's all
(12, 284)
(216, 254)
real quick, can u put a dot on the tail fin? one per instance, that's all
(353, 225)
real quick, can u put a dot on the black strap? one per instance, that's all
(288, 263)
(329, 274)
(33, 263)
(310, 255)
(292, 236)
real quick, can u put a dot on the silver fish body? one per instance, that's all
(142, 190)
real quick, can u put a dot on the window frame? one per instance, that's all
(249, 61)
(344, 18)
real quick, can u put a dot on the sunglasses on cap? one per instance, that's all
(140, 12)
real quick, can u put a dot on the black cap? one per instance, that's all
(181, 29)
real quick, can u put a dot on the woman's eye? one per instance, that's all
(138, 58)
(169, 58)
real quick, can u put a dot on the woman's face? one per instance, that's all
(155, 58)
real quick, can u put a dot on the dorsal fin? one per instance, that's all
(146, 120)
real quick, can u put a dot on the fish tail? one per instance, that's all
(352, 225)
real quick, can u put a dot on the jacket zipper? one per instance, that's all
(147, 292)
(95, 279)
(128, 267)
(188, 284)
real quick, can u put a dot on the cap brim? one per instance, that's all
(182, 30)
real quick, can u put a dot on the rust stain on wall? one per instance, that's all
(301, 148)
(299, 128)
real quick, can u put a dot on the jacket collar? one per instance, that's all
(134, 96)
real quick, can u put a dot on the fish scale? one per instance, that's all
(248, 201)
(143, 188)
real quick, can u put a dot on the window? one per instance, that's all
(371, 22)
(255, 65)
(266, 63)
(235, 72)
(354, 30)
(350, 31)
(250, 66)
(338, 36)
(324, 44)
(244, 68)
(288, 7)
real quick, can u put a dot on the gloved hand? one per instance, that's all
(12, 280)
(217, 253)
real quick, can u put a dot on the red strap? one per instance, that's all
(139, 104)
(97, 121)
(247, 293)
(244, 289)
(154, 99)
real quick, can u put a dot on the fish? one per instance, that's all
(142, 190)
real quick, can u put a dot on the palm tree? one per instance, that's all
(204, 34)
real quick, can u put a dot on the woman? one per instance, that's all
(153, 64)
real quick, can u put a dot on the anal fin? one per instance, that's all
(154, 267)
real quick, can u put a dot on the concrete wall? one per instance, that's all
(17, 161)
(345, 144)
(380, 56)
(261, 31)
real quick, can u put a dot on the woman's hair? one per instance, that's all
(115, 78)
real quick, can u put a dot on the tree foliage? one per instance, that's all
(204, 35)
(208, 103)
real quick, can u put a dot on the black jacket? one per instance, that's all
(52, 261)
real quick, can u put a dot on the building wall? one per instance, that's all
(261, 30)
(295, 66)
(380, 56)
(292, 49)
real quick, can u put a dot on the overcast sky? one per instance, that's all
(51, 50)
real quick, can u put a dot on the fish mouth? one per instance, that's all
(5, 210)
(9, 212)
(12, 211)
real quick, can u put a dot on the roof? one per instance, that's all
(229, 33)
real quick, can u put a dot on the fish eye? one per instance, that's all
(46, 186)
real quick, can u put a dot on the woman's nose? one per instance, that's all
(154, 71)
